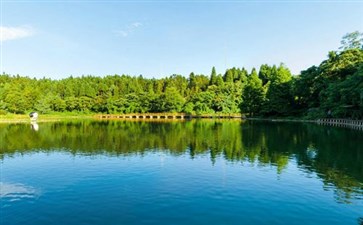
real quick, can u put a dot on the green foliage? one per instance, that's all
(229, 76)
(340, 65)
(352, 40)
(335, 85)
(213, 77)
(265, 73)
(253, 94)
(307, 87)
(197, 83)
(171, 100)
(202, 102)
(219, 81)
(119, 94)
(345, 99)
(279, 96)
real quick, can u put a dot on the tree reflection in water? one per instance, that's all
(334, 154)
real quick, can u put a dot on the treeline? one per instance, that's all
(334, 88)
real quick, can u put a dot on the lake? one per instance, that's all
(181, 172)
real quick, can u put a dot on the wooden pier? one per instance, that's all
(171, 116)
(355, 124)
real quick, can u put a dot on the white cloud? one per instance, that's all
(128, 30)
(12, 33)
(136, 24)
(122, 33)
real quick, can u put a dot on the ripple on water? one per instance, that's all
(14, 192)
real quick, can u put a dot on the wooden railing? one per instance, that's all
(166, 116)
(356, 124)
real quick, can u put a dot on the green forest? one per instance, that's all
(332, 89)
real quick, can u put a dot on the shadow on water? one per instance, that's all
(334, 154)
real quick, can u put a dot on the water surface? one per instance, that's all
(192, 172)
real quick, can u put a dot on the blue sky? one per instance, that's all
(56, 39)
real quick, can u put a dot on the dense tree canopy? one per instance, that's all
(335, 86)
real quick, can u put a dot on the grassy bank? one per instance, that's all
(24, 118)
(17, 118)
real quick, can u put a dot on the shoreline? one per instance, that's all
(331, 122)
(335, 122)
(283, 120)
(6, 119)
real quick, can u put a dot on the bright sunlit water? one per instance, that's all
(192, 172)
